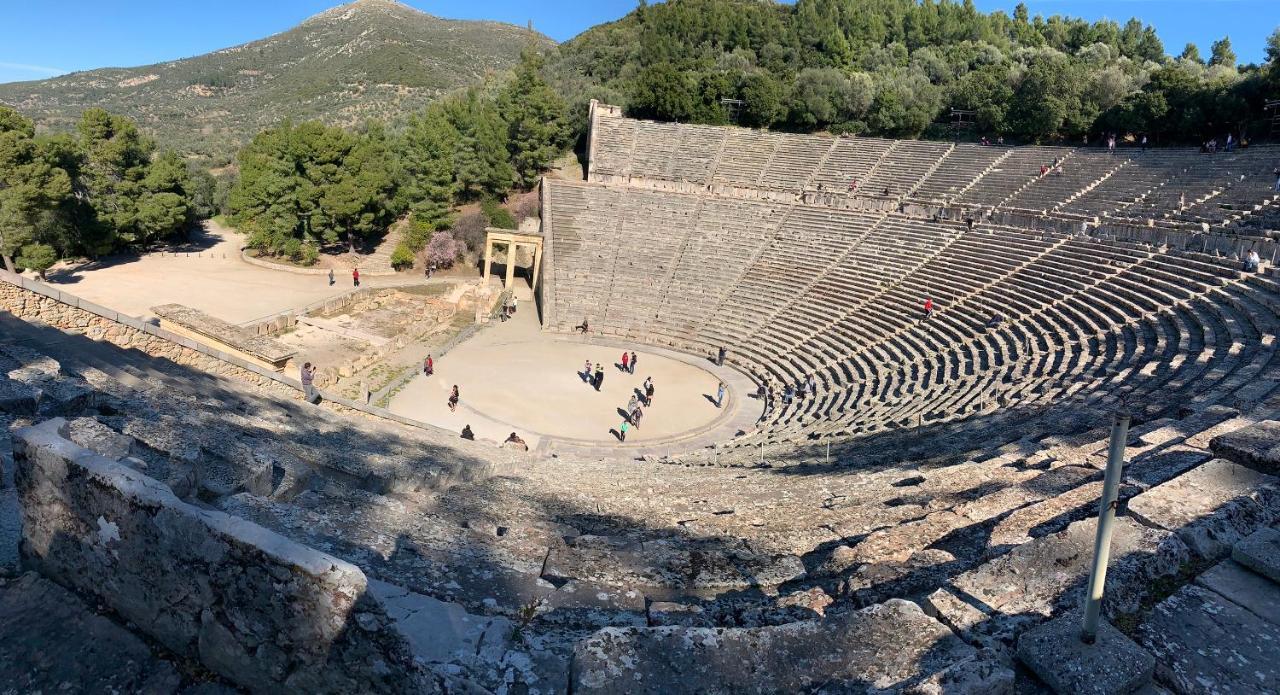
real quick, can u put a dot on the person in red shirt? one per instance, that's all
(626, 360)
(355, 276)
(428, 366)
(928, 308)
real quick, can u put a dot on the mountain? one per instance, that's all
(367, 59)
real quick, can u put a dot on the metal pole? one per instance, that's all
(828, 452)
(761, 453)
(1106, 521)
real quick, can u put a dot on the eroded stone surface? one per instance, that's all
(1260, 552)
(1211, 506)
(890, 645)
(1245, 588)
(1256, 446)
(1204, 643)
(1111, 664)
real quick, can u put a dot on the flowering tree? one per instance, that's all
(442, 249)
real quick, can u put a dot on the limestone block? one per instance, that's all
(1260, 552)
(882, 647)
(1211, 506)
(1256, 446)
(1204, 643)
(97, 437)
(585, 604)
(17, 398)
(1112, 665)
(1243, 587)
(665, 613)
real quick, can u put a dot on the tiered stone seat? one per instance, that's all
(1010, 174)
(960, 168)
(1075, 175)
(850, 159)
(904, 166)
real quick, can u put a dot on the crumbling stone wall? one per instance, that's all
(259, 609)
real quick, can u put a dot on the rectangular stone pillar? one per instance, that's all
(511, 264)
(537, 265)
(488, 259)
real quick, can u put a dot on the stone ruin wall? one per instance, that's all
(36, 302)
(250, 605)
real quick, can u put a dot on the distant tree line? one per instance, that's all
(305, 186)
(894, 67)
(101, 189)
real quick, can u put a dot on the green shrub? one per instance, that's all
(291, 249)
(37, 257)
(402, 257)
(498, 216)
(309, 255)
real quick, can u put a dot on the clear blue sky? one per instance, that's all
(42, 38)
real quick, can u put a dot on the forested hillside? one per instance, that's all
(894, 67)
(371, 59)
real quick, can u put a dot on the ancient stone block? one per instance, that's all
(1113, 664)
(17, 398)
(1260, 552)
(254, 607)
(1243, 587)
(886, 646)
(1256, 446)
(1211, 506)
(98, 438)
(1204, 643)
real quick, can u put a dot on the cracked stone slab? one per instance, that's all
(442, 632)
(1211, 506)
(98, 438)
(587, 604)
(1204, 643)
(1112, 664)
(886, 646)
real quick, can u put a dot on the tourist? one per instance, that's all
(999, 139)
(515, 442)
(995, 320)
(632, 370)
(1231, 142)
(586, 371)
(788, 394)
(636, 414)
(599, 380)
(582, 327)
(1276, 187)
(720, 395)
(761, 391)
(800, 388)
(928, 308)
(633, 403)
(1111, 143)
(720, 356)
(453, 399)
(467, 433)
(1043, 170)
(355, 277)
(1144, 143)
(853, 186)
(812, 383)
(1252, 261)
(429, 366)
(308, 377)
(622, 431)
(626, 361)
(648, 392)
(331, 280)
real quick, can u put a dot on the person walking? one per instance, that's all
(632, 370)
(331, 279)
(622, 431)
(720, 395)
(626, 361)
(355, 277)
(720, 356)
(429, 366)
(928, 308)
(308, 377)
(648, 393)
(1144, 143)
(453, 399)
(633, 403)
(636, 414)
(586, 371)
(1276, 187)
(599, 378)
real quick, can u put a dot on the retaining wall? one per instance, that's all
(254, 607)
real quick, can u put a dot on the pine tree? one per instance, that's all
(537, 120)
(427, 160)
(481, 159)
(1221, 53)
(30, 184)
